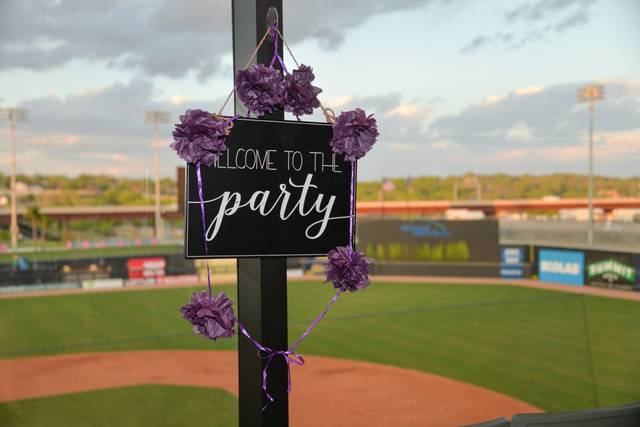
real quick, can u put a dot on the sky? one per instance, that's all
(456, 85)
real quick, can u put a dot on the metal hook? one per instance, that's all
(272, 20)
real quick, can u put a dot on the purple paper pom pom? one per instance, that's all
(200, 137)
(347, 269)
(300, 96)
(211, 319)
(354, 133)
(260, 88)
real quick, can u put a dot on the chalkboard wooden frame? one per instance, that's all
(279, 136)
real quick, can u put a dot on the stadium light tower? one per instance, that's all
(591, 93)
(157, 118)
(12, 115)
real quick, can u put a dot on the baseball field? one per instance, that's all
(552, 350)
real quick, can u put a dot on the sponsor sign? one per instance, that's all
(102, 284)
(512, 256)
(278, 190)
(611, 268)
(178, 279)
(143, 268)
(429, 240)
(511, 271)
(561, 266)
(511, 262)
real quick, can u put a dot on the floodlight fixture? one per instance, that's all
(591, 93)
(12, 115)
(157, 117)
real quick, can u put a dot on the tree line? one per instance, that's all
(85, 189)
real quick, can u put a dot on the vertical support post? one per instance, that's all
(159, 225)
(262, 309)
(590, 230)
(13, 227)
(262, 282)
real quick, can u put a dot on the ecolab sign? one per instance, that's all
(561, 266)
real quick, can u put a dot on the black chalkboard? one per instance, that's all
(280, 183)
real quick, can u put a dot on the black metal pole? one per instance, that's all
(262, 282)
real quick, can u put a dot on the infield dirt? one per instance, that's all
(327, 390)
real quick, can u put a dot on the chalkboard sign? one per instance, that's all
(277, 191)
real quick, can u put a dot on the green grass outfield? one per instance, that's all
(524, 342)
(137, 406)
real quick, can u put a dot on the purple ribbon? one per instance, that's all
(276, 54)
(351, 202)
(289, 355)
(268, 354)
(204, 227)
(204, 222)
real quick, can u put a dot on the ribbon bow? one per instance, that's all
(289, 355)
(265, 353)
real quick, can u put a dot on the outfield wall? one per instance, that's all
(133, 269)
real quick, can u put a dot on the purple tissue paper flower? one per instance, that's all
(300, 96)
(347, 269)
(211, 319)
(354, 133)
(260, 88)
(200, 137)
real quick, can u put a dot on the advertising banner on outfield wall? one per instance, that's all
(143, 268)
(512, 259)
(561, 266)
(429, 240)
(611, 269)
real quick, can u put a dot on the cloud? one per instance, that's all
(39, 35)
(409, 110)
(398, 146)
(529, 90)
(530, 129)
(610, 148)
(441, 144)
(535, 21)
(333, 19)
(492, 99)
(52, 139)
(166, 37)
(98, 131)
(520, 132)
(542, 10)
(475, 44)
(543, 119)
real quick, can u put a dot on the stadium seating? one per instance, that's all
(498, 422)
(615, 416)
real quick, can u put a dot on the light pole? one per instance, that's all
(157, 118)
(13, 115)
(591, 93)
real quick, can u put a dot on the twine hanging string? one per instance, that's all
(329, 114)
(251, 58)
